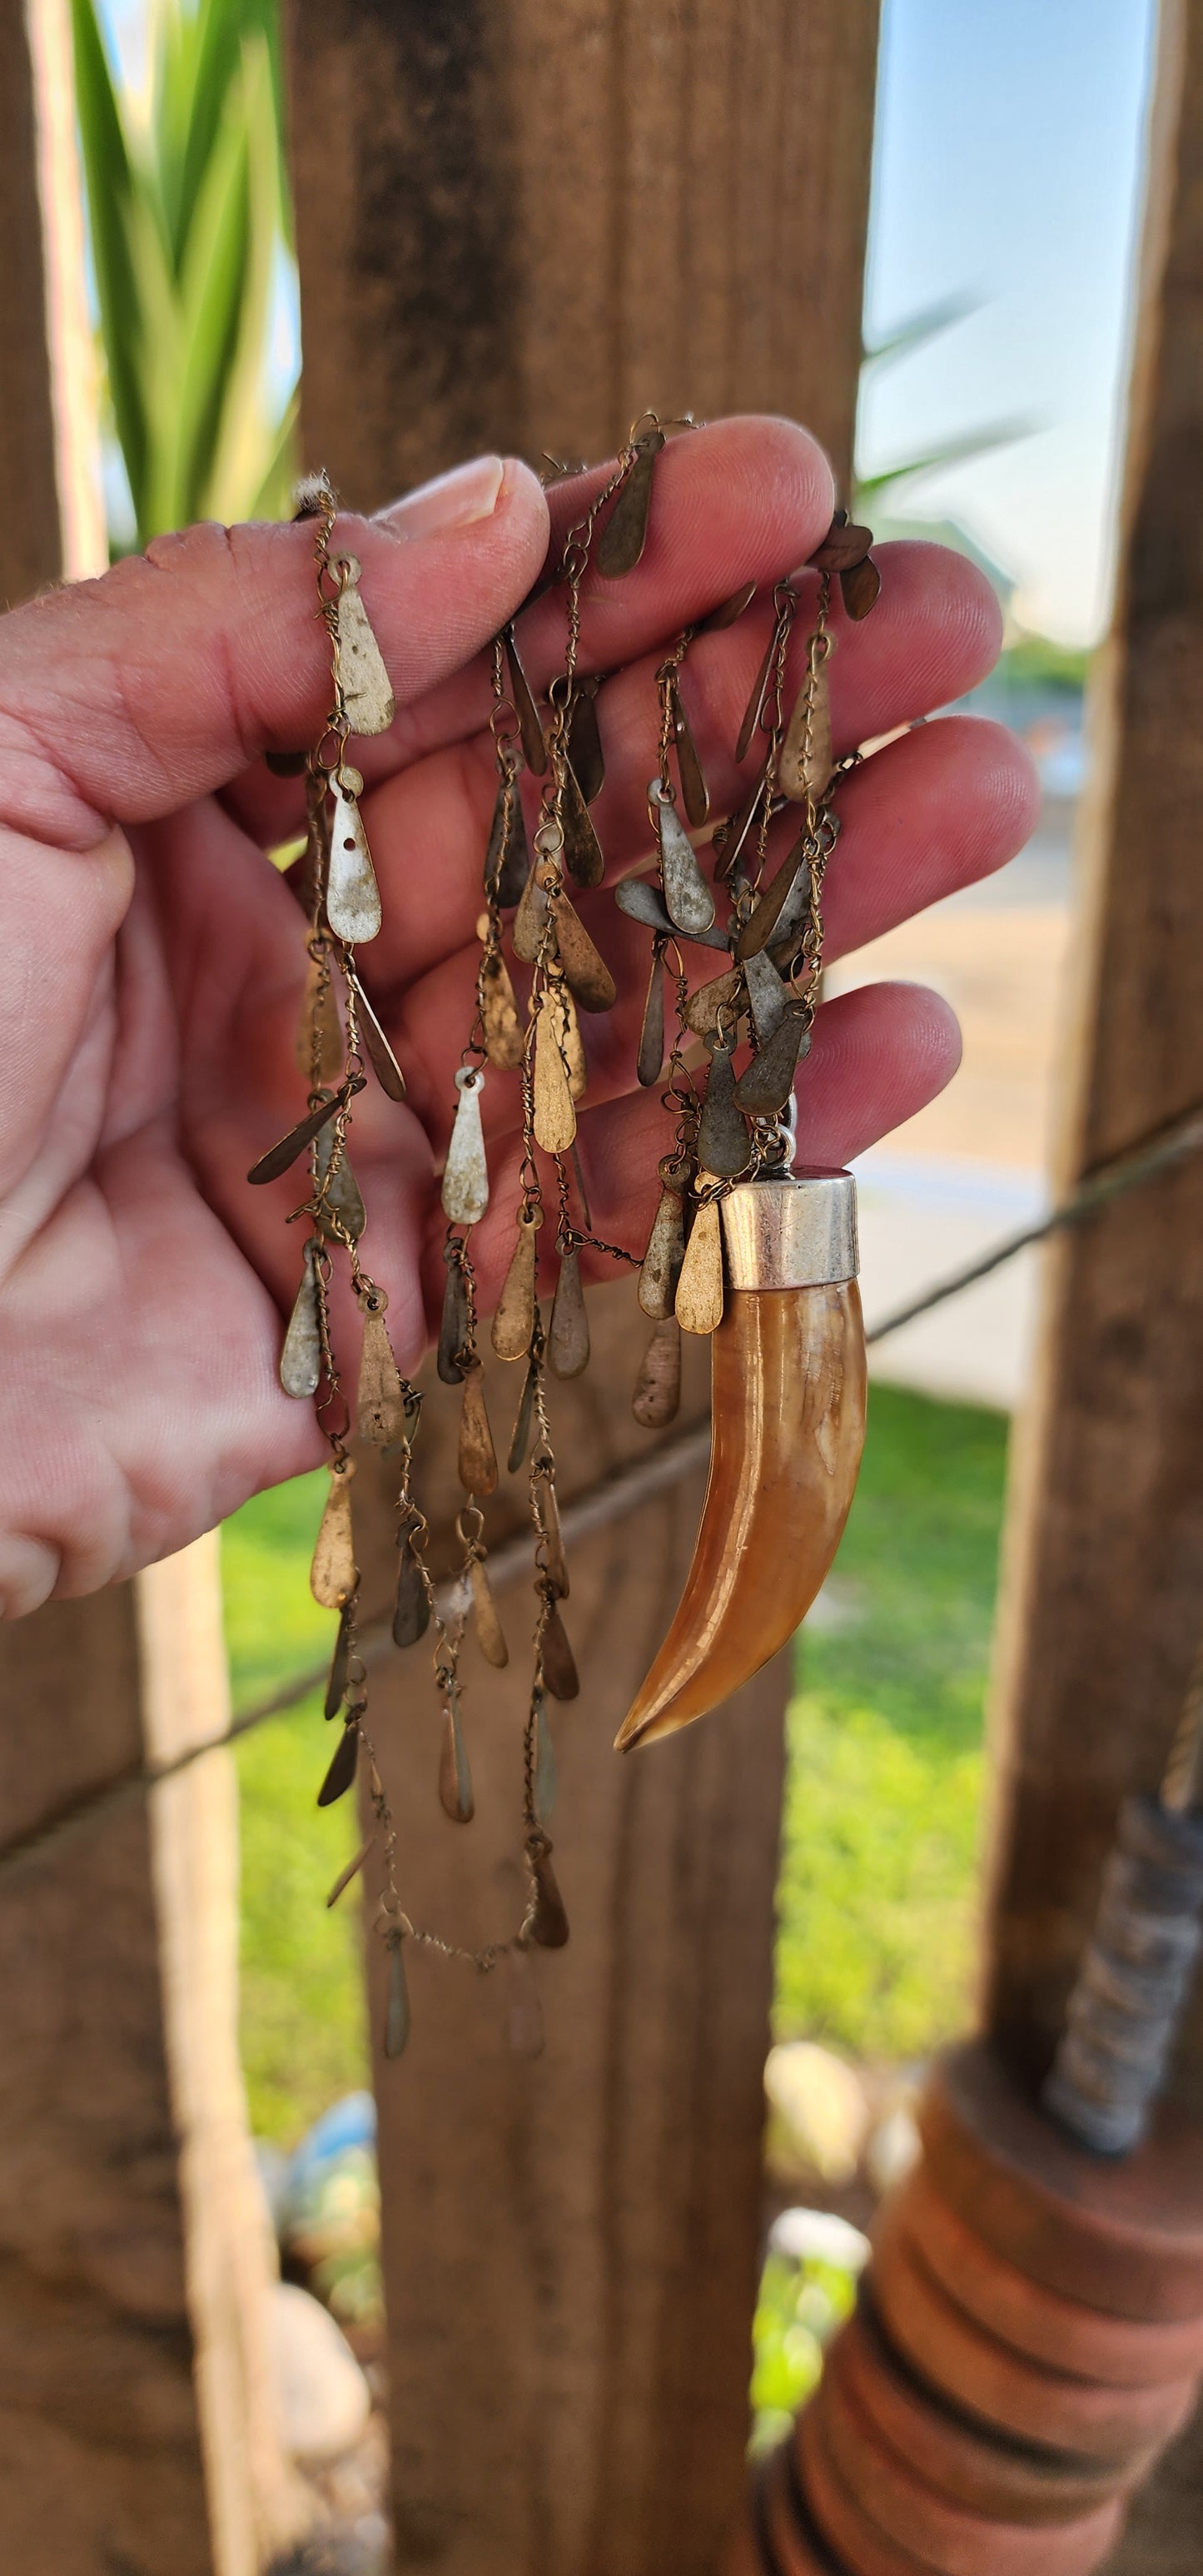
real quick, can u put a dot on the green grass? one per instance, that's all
(884, 1796)
(885, 1773)
(304, 2039)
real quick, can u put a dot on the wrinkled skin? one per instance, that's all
(152, 956)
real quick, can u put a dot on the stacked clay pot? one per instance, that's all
(1027, 2338)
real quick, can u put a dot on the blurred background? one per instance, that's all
(1005, 209)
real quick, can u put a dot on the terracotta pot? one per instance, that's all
(859, 2543)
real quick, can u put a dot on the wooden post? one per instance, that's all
(1103, 1594)
(137, 2414)
(518, 225)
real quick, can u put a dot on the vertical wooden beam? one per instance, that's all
(1103, 1589)
(32, 534)
(518, 225)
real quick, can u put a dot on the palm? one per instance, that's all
(142, 1281)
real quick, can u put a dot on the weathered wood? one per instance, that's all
(31, 539)
(1103, 1594)
(518, 225)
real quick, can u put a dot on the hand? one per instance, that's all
(152, 956)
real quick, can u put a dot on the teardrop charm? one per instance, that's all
(555, 1117)
(766, 996)
(625, 533)
(514, 1321)
(530, 920)
(760, 690)
(455, 1778)
(650, 1058)
(559, 1662)
(505, 1043)
(333, 1574)
(665, 1244)
(657, 1397)
(585, 753)
(582, 849)
(723, 1143)
(477, 1459)
(555, 1563)
(549, 1923)
(379, 1401)
(585, 970)
(352, 1870)
(352, 894)
(466, 1173)
(534, 748)
(545, 1764)
(380, 1054)
(338, 1192)
(769, 1079)
(490, 1635)
(455, 1328)
(341, 1774)
(507, 859)
(712, 1002)
(411, 1609)
(860, 586)
(760, 925)
(364, 684)
(688, 899)
(568, 1335)
(520, 1436)
(806, 758)
(699, 1304)
(301, 1357)
(336, 1686)
(397, 2018)
(272, 1165)
(695, 794)
(320, 1047)
(560, 1004)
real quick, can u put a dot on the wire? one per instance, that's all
(616, 1493)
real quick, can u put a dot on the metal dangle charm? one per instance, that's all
(465, 1173)
(367, 691)
(352, 894)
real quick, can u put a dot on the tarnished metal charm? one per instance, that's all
(560, 1004)
(568, 1333)
(585, 969)
(337, 1191)
(666, 1243)
(688, 898)
(411, 1608)
(625, 533)
(728, 610)
(333, 1574)
(695, 794)
(477, 1458)
(585, 753)
(465, 1173)
(520, 1436)
(534, 748)
(582, 849)
(650, 1058)
(379, 1053)
(657, 1397)
(301, 1357)
(341, 1775)
(340, 1661)
(761, 924)
(364, 683)
(766, 997)
(277, 1159)
(699, 1301)
(769, 1079)
(723, 1144)
(642, 901)
(807, 758)
(352, 1870)
(559, 1662)
(507, 859)
(530, 920)
(760, 690)
(549, 1925)
(714, 1005)
(514, 1321)
(352, 894)
(505, 1042)
(380, 1400)
(554, 1115)
(555, 1563)
(321, 1048)
(455, 1778)
(860, 587)
(490, 1635)
(455, 1327)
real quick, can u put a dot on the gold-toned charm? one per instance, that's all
(534, 748)
(568, 1335)
(530, 920)
(466, 1174)
(505, 1041)
(555, 1117)
(321, 1047)
(380, 1399)
(352, 894)
(699, 1300)
(507, 859)
(340, 1209)
(688, 899)
(625, 533)
(582, 849)
(712, 1005)
(490, 1635)
(333, 1574)
(380, 1054)
(455, 1778)
(666, 1242)
(514, 1321)
(657, 1397)
(301, 1357)
(477, 1458)
(455, 1326)
(520, 1435)
(807, 759)
(367, 693)
(558, 1002)
(585, 969)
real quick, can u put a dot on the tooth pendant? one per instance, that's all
(352, 894)
(466, 1176)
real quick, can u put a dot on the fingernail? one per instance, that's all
(454, 500)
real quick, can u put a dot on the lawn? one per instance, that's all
(885, 1772)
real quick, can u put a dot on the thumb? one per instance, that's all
(126, 697)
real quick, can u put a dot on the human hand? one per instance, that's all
(153, 958)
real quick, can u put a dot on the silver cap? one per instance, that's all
(795, 1230)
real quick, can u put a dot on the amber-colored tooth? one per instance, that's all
(789, 1425)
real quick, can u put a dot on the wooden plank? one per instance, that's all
(1103, 1592)
(31, 539)
(517, 225)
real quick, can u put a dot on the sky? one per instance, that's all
(1008, 173)
(1009, 170)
